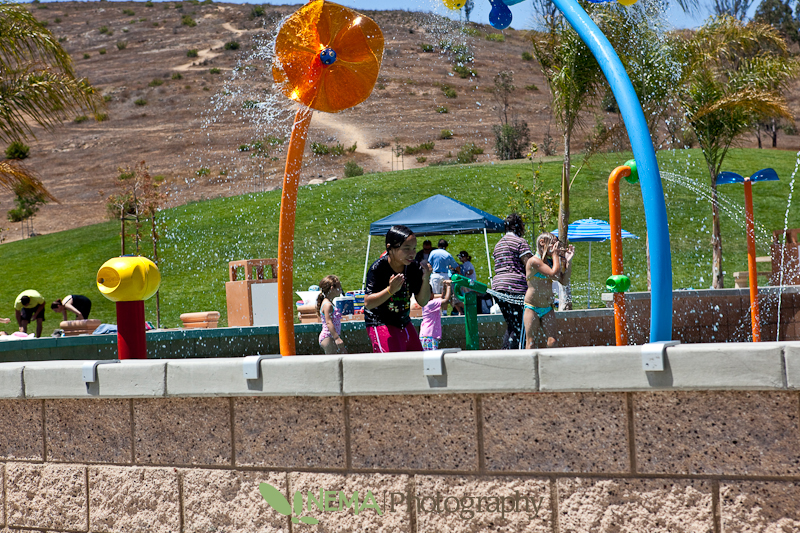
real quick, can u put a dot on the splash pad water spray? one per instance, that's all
(327, 57)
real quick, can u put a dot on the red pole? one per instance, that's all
(755, 311)
(291, 179)
(131, 340)
(615, 221)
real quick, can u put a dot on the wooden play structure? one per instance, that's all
(252, 292)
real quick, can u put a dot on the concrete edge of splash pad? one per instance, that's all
(745, 366)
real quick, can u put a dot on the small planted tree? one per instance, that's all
(28, 198)
(511, 138)
(138, 199)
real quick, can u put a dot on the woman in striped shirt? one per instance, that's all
(510, 256)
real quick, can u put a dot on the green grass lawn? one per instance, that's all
(198, 239)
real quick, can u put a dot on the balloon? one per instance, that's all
(455, 5)
(500, 15)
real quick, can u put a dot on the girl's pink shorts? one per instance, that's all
(392, 339)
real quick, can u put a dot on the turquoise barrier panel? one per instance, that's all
(655, 209)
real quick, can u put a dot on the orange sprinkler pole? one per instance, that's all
(291, 178)
(755, 311)
(614, 220)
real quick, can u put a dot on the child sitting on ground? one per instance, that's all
(430, 331)
(329, 338)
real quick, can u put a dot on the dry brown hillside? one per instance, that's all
(194, 114)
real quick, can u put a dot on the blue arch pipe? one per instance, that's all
(655, 209)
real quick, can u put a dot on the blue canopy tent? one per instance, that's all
(591, 230)
(438, 215)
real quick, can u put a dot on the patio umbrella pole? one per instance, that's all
(366, 264)
(291, 179)
(589, 283)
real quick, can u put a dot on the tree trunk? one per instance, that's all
(154, 236)
(717, 278)
(565, 296)
(563, 205)
(774, 132)
(647, 255)
(122, 231)
(758, 135)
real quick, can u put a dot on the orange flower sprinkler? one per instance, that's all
(724, 178)
(327, 57)
(618, 283)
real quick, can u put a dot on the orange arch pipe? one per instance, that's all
(614, 219)
(291, 179)
(755, 310)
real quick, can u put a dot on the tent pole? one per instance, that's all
(589, 284)
(488, 260)
(366, 264)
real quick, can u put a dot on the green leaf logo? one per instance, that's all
(278, 501)
(275, 499)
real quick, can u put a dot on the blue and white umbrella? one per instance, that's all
(591, 230)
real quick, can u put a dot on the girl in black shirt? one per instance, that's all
(391, 281)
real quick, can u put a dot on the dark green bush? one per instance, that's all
(527, 56)
(231, 45)
(187, 20)
(17, 150)
(468, 153)
(351, 169)
(156, 82)
(140, 102)
(192, 53)
(214, 70)
(177, 76)
(81, 118)
(511, 141)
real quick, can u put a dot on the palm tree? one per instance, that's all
(733, 76)
(573, 76)
(37, 82)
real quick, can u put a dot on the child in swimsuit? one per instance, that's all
(540, 271)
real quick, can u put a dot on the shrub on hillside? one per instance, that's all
(122, 45)
(351, 169)
(446, 134)
(511, 141)
(527, 56)
(192, 53)
(187, 20)
(468, 153)
(231, 45)
(140, 102)
(17, 150)
(496, 37)
(257, 11)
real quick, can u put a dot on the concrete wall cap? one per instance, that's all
(12, 385)
(744, 366)
(307, 375)
(465, 371)
(145, 378)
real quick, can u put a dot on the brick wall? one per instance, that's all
(662, 461)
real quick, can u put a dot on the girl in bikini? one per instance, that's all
(540, 271)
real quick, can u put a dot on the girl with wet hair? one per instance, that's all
(329, 338)
(391, 281)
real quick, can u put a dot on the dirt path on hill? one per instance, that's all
(347, 134)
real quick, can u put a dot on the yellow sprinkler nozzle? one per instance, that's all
(627, 2)
(455, 5)
(128, 279)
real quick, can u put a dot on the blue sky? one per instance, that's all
(522, 12)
